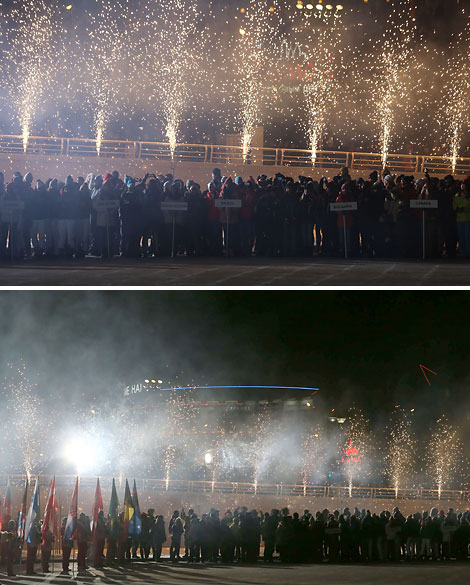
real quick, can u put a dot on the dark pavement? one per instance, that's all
(255, 272)
(277, 574)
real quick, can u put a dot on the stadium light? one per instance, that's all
(208, 458)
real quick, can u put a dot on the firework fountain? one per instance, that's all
(322, 61)
(254, 53)
(30, 427)
(393, 61)
(34, 55)
(356, 448)
(111, 42)
(173, 56)
(400, 454)
(454, 111)
(312, 455)
(443, 454)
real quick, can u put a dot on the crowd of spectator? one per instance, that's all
(245, 536)
(276, 217)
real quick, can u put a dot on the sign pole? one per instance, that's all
(345, 242)
(107, 232)
(11, 241)
(173, 237)
(424, 236)
(226, 243)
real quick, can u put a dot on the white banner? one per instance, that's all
(110, 205)
(228, 203)
(174, 206)
(423, 203)
(346, 206)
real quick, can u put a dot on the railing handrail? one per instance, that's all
(367, 492)
(215, 153)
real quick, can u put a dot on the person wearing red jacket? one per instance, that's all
(246, 217)
(345, 218)
(214, 228)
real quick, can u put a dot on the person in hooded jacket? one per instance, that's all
(67, 213)
(131, 218)
(107, 221)
(15, 191)
(39, 217)
(82, 221)
(153, 216)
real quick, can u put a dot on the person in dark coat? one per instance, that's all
(158, 537)
(34, 540)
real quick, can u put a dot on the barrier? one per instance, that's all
(232, 155)
(241, 488)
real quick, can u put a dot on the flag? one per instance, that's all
(113, 511)
(96, 509)
(21, 515)
(33, 512)
(128, 510)
(71, 525)
(135, 523)
(50, 513)
(6, 512)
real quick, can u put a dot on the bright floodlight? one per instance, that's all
(82, 453)
(208, 458)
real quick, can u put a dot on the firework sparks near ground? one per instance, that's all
(254, 53)
(34, 56)
(400, 455)
(443, 454)
(453, 114)
(322, 62)
(356, 447)
(174, 59)
(393, 59)
(25, 409)
(313, 454)
(111, 38)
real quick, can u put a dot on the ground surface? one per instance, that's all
(255, 272)
(404, 574)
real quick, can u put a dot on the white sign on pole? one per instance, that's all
(346, 206)
(424, 204)
(234, 203)
(174, 206)
(110, 205)
(10, 210)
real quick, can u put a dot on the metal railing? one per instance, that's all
(241, 488)
(231, 155)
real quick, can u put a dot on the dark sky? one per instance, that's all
(360, 347)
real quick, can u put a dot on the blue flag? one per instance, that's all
(71, 525)
(135, 523)
(33, 512)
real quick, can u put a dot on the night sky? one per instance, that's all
(361, 348)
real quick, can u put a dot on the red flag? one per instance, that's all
(22, 514)
(50, 513)
(96, 509)
(71, 525)
(7, 505)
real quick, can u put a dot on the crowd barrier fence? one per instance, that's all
(241, 488)
(220, 155)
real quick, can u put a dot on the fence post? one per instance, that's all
(282, 158)
(352, 160)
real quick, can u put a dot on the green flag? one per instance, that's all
(113, 511)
